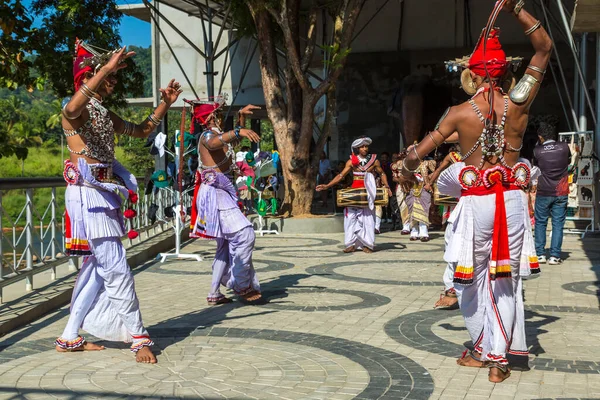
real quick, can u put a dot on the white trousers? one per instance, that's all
(359, 227)
(493, 309)
(104, 301)
(233, 266)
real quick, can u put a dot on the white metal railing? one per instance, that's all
(33, 241)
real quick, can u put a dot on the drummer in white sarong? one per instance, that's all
(359, 222)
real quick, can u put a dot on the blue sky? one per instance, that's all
(133, 31)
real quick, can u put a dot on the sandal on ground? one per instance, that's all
(502, 368)
(448, 300)
(405, 232)
(414, 238)
(216, 302)
(470, 354)
(424, 239)
(251, 296)
(350, 249)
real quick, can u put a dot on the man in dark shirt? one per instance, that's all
(553, 159)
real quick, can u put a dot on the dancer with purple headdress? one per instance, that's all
(104, 301)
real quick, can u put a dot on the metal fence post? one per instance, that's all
(29, 237)
(53, 232)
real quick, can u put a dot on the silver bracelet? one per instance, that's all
(533, 28)
(519, 7)
(434, 141)
(417, 154)
(536, 69)
(86, 91)
(404, 167)
(154, 120)
(128, 129)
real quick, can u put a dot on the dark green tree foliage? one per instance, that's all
(42, 58)
(64, 21)
(15, 43)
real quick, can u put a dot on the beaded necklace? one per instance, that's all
(492, 140)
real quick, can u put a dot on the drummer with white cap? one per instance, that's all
(359, 222)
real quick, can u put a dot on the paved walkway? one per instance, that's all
(336, 326)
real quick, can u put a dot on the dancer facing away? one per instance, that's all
(218, 214)
(104, 301)
(491, 216)
(359, 222)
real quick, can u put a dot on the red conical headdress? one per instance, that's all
(493, 57)
(78, 70)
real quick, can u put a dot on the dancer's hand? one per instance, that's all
(170, 94)
(116, 62)
(250, 134)
(320, 188)
(509, 6)
(248, 109)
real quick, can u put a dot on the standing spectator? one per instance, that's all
(324, 177)
(552, 191)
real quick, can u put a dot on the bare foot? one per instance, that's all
(349, 249)
(145, 355)
(85, 346)
(498, 375)
(446, 302)
(367, 250)
(468, 360)
(252, 296)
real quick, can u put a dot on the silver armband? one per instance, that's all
(442, 118)
(520, 94)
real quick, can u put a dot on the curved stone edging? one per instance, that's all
(160, 268)
(328, 271)
(368, 300)
(391, 375)
(414, 330)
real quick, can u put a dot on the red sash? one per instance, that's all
(500, 260)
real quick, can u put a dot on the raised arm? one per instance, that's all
(214, 141)
(168, 96)
(526, 90)
(75, 107)
(338, 178)
(445, 128)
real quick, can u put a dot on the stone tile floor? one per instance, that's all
(336, 326)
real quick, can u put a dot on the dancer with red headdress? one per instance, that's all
(216, 213)
(104, 301)
(491, 219)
